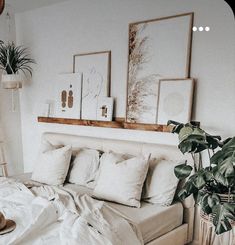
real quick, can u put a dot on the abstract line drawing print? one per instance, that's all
(95, 69)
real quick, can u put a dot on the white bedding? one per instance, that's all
(53, 215)
(152, 220)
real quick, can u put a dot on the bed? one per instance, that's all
(158, 225)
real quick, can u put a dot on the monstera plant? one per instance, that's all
(212, 186)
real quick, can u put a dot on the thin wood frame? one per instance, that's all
(191, 93)
(108, 68)
(189, 46)
(108, 85)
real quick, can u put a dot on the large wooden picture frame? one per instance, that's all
(158, 49)
(95, 69)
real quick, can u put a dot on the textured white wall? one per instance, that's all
(57, 32)
(10, 121)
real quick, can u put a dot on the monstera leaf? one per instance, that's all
(223, 214)
(187, 190)
(213, 141)
(182, 171)
(226, 167)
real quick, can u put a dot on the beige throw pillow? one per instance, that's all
(84, 167)
(120, 179)
(161, 182)
(52, 164)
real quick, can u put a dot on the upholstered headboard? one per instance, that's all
(168, 152)
(158, 151)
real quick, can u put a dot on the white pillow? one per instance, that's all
(161, 182)
(84, 167)
(121, 180)
(52, 164)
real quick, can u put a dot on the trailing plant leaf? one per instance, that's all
(13, 59)
(223, 214)
(182, 171)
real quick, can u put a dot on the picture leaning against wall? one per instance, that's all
(158, 48)
(95, 69)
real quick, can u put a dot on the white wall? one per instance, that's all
(57, 32)
(10, 121)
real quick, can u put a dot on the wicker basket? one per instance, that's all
(223, 199)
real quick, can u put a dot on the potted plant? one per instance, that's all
(213, 186)
(14, 59)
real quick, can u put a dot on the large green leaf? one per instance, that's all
(213, 141)
(204, 204)
(229, 144)
(226, 167)
(182, 171)
(187, 190)
(184, 133)
(213, 200)
(223, 214)
(221, 179)
(217, 157)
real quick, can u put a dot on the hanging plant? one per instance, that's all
(14, 59)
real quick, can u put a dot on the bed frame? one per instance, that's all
(179, 236)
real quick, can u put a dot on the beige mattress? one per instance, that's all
(153, 220)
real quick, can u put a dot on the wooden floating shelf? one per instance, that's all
(118, 123)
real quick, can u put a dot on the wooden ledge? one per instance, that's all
(118, 123)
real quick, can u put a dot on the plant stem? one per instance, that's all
(194, 163)
(229, 194)
(200, 161)
(209, 157)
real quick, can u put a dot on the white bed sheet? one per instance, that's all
(153, 220)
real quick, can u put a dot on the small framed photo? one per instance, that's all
(175, 100)
(105, 109)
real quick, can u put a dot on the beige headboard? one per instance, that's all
(167, 152)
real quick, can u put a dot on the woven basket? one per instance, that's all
(223, 199)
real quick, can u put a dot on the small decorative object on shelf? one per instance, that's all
(213, 187)
(105, 109)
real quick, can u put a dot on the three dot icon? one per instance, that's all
(201, 28)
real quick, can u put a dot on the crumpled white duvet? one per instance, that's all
(52, 215)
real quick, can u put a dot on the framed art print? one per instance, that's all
(95, 69)
(158, 49)
(68, 96)
(105, 109)
(175, 100)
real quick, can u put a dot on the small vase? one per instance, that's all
(11, 81)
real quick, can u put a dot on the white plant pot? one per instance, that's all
(11, 81)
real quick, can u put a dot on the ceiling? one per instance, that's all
(25, 5)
